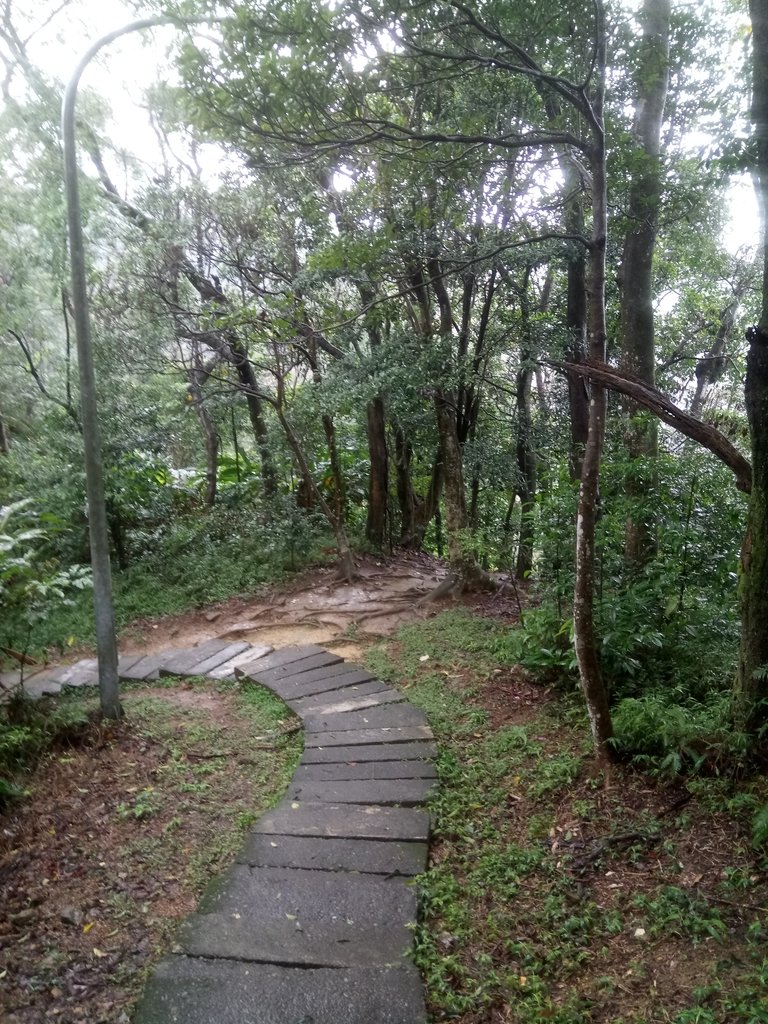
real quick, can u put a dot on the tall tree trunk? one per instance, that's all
(526, 457)
(752, 682)
(460, 556)
(576, 325)
(638, 353)
(378, 475)
(590, 675)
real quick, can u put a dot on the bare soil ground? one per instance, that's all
(124, 825)
(316, 607)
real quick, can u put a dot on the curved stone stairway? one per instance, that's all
(313, 923)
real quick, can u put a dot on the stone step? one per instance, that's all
(286, 673)
(394, 736)
(362, 770)
(299, 818)
(371, 752)
(359, 681)
(189, 990)
(392, 716)
(283, 656)
(336, 703)
(370, 856)
(185, 662)
(389, 792)
(248, 656)
(303, 917)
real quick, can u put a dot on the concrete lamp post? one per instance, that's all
(94, 477)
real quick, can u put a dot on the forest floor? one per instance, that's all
(555, 895)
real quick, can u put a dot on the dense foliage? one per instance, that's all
(336, 312)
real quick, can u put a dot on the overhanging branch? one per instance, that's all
(649, 398)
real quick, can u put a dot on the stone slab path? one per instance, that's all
(313, 923)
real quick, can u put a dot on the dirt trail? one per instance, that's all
(314, 608)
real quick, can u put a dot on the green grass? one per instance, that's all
(520, 921)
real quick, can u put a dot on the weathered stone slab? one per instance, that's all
(309, 918)
(70, 675)
(283, 656)
(359, 682)
(284, 673)
(296, 818)
(371, 856)
(353, 736)
(399, 716)
(41, 685)
(182, 663)
(388, 792)
(187, 990)
(127, 661)
(335, 703)
(372, 752)
(249, 655)
(365, 770)
(208, 664)
(295, 939)
(147, 667)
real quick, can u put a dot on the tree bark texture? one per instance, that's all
(752, 681)
(638, 351)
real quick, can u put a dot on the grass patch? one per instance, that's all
(553, 896)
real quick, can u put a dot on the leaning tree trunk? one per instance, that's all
(638, 355)
(590, 675)
(752, 682)
(5, 445)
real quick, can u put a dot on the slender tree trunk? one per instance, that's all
(526, 457)
(638, 352)
(5, 444)
(346, 561)
(250, 387)
(211, 439)
(378, 476)
(752, 682)
(590, 675)
(339, 486)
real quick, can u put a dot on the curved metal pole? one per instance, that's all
(94, 479)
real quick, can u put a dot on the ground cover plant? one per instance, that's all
(555, 894)
(122, 826)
